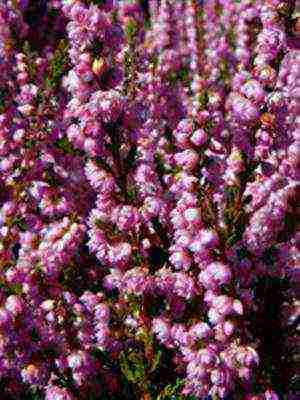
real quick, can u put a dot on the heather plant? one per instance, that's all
(149, 199)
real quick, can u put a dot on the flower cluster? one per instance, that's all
(149, 191)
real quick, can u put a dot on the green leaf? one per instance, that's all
(208, 125)
(154, 60)
(16, 289)
(172, 77)
(135, 307)
(147, 23)
(34, 393)
(29, 143)
(65, 145)
(131, 194)
(127, 62)
(40, 97)
(159, 164)
(34, 335)
(133, 366)
(235, 216)
(27, 48)
(231, 193)
(156, 361)
(235, 237)
(171, 391)
(58, 64)
(218, 9)
(228, 216)
(231, 37)
(96, 48)
(131, 157)
(250, 167)
(114, 147)
(270, 255)
(20, 223)
(183, 74)
(200, 12)
(156, 224)
(31, 57)
(3, 98)
(97, 2)
(242, 253)
(146, 337)
(175, 170)
(224, 71)
(131, 30)
(137, 258)
(53, 13)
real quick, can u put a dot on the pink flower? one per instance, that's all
(161, 329)
(271, 395)
(56, 393)
(102, 335)
(14, 304)
(209, 239)
(183, 238)
(127, 218)
(180, 336)
(120, 254)
(5, 317)
(152, 206)
(188, 159)
(196, 371)
(214, 316)
(102, 312)
(228, 328)
(242, 108)
(253, 90)
(184, 285)
(220, 272)
(244, 373)
(217, 377)
(180, 260)
(200, 330)
(207, 357)
(192, 215)
(136, 281)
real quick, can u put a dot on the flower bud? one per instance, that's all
(99, 66)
